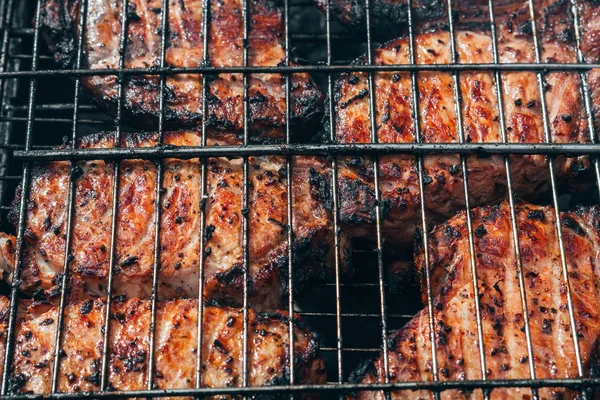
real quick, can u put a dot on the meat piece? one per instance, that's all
(183, 105)
(502, 320)
(444, 191)
(388, 17)
(175, 347)
(180, 225)
(589, 16)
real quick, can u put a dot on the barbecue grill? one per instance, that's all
(353, 315)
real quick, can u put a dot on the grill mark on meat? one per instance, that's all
(175, 351)
(183, 105)
(180, 224)
(504, 337)
(444, 191)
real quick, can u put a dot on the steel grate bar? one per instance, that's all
(206, 8)
(548, 139)
(16, 275)
(511, 200)
(335, 212)
(420, 169)
(7, 11)
(70, 210)
(245, 209)
(36, 111)
(589, 109)
(378, 202)
(104, 383)
(312, 68)
(463, 160)
(290, 199)
(158, 200)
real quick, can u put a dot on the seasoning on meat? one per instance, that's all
(175, 352)
(183, 98)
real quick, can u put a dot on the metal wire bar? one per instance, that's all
(184, 152)
(206, 7)
(245, 210)
(209, 70)
(16, 275)
(70, 209)
(288, 150)
(589, 109)
(548, 139)
(335, 211)
(568, 383)
(158, 196)
(378, 202)
(290, 197)
(511, 200)
(115, 205)
(7, 10)
(420, 169)
(464, 167)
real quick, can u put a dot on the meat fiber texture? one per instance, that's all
(443, 174)
(175, 352)
(185, 49)
(502, 315)
(180, 232)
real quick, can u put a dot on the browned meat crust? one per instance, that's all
(180, 225)
(502, 316)
(175, 351)
(444, 191)
(183, 104)
(589, 14)
(388, 17)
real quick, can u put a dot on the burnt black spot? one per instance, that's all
(208, 231)
(360, 95)
(536, 215)
(219, 347)
(320, 188)
(547, 326)
(480, 231)
(16, 382)
(86, 308)
(76, 172)
(132, 14)
(128, 261)
(573, 225)
(93, 378)
(353, 79)
(450, 232)
(567, 118)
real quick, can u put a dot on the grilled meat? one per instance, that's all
(589, 15)
(183, 92)
(175, 347)
(505, 345)
(388, 17)
(444, 191)
(89, 266)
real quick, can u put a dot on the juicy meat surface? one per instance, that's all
(504, 341)
(443, 175)
(183, 92)
(176, 347)
(180, 225)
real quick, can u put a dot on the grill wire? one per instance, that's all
(350, 328)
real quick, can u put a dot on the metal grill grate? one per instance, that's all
(31, 112)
